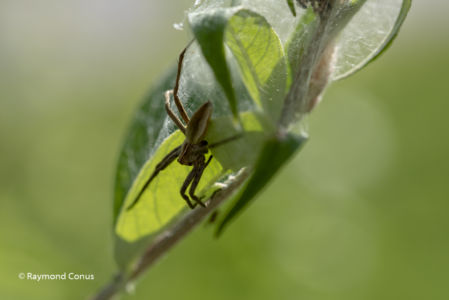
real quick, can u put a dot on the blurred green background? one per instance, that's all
(361, 212)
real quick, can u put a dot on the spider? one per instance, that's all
(192, 152)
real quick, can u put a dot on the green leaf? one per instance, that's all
(260, 56)
(291, 6)
(299, 40)
(240, 153)
(275, 153)
(161, 202)
(256, 48)
(369, 33)
(209, 29)
(406, 5)
(140, 139)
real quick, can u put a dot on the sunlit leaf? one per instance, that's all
(242, 151)
(140, 139)
(256, 48)
(209, 29)
(161, 201)
(406, 5)
(371, 30)
(260, 56)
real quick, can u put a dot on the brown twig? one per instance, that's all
(163, 242)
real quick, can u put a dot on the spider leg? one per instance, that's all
(196, 180)
(172, 114)
(178, 102)
(165, 162)
(226, 140)
(185, 185)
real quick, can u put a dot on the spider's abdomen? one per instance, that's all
(197, 126)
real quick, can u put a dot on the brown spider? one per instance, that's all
(194, 148)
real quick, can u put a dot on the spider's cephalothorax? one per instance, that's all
(192, 152)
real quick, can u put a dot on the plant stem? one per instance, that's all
(164, 241)
(296, 102)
